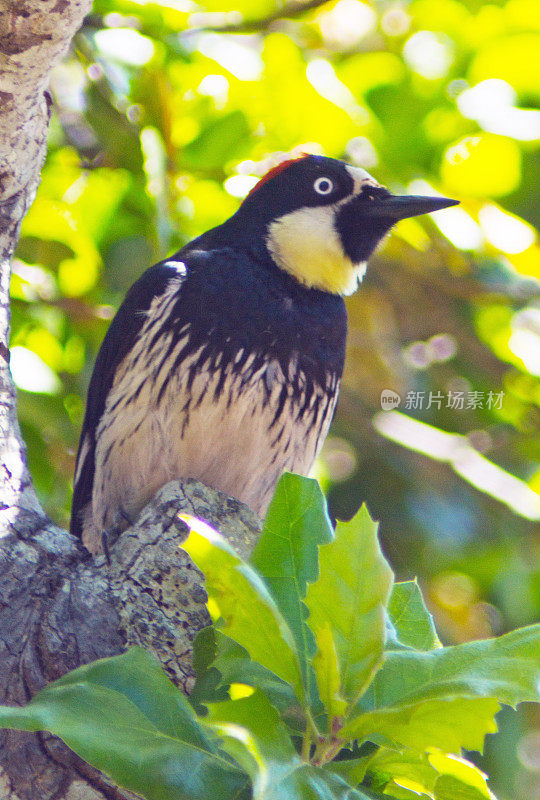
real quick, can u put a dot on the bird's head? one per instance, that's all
(322, 219)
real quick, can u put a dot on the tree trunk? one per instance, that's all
(59, 607)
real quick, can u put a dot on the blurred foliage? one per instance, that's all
(165, 113)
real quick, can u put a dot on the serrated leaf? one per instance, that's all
(351, 596)
(125, 717)
(208, 687)
(287, 554)
(259, 741)
(451, 788)
(459, 779)
(413, 624)
(449, 725)
(238, 595)
(506, 668)
(447, 698)
(422, 772)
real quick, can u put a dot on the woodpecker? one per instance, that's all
(224, 361)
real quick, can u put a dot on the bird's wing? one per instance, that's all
(119, 340)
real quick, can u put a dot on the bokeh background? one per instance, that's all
(163, 116)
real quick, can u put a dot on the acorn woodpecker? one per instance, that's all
(224, 361)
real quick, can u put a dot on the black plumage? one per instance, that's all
(230, 310)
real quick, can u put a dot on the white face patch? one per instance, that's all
(361, 178)
(306, 244)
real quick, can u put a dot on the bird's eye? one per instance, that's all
(323, 186)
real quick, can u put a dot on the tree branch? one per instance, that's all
(60, 608)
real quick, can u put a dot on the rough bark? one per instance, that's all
(59, 607)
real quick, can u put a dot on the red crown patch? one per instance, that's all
(275, 171)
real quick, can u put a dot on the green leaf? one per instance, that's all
(405, 769)
(308, 782)
(506, 668)
(326, 667)
(296, 523)
(231, 664)
(413, 624)
(461, 722)
(451, 788)
(120, 137)
(448, 697)
(238, 595)
(287, 555)
(221, 140)
(258, 740)
(125, 717)
(352, 770)
(208, 687)
(351, 596)
(458, 779)
(400, 771)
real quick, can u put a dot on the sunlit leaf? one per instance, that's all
(237, 594)
(350, 598)
(412, 621)
(317, 119)
(286, 554)
(426, 772)
(447, 698)
(444, 15)
(326, 667)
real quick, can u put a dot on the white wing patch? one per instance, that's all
(179, 266)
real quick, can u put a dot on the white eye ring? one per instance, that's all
(323, 186)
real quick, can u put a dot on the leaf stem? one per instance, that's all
(312, 725)
(306, 745)
(311, 735)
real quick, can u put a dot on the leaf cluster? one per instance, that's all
(321, 677)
